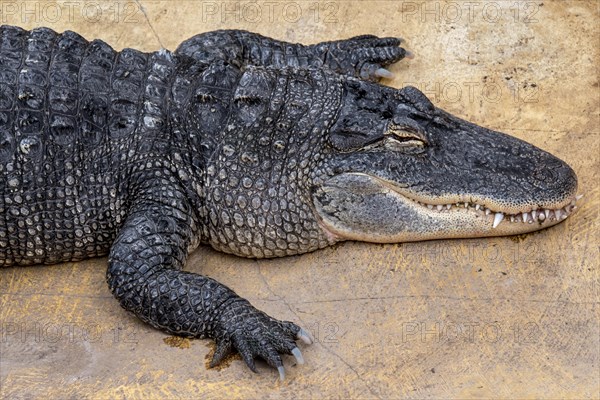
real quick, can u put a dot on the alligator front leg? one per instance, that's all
(365, 56)
(144, 275)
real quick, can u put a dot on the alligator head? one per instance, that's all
(403, 170)
(308, 158)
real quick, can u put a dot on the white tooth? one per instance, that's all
(488, 211)
(476, 206)
(525, 217)
(430, 206)
(542, 216)
(579, 196)
(512, 218)
(547, 213)
(564, 216)
(557, 214)
(448, 206)
(534, 214)
(497, 219)
(439, 207)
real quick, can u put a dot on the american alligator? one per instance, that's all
(254, 146)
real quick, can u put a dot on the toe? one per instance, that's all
(270, 355)
(224, 348)
(245, 351)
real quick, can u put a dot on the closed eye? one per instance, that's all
(406, 136)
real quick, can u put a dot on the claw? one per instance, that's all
(296, 352)
(281, 373)
(383, 73)
(409, 54)
(304, 336)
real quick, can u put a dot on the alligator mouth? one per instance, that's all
(548, 214)
(363, 207)
(534, 215)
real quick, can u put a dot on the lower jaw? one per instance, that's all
(467, 224)
(420, 222)
(443, 227)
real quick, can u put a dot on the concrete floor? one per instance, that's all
(489, 318)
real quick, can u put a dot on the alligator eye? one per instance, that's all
(406, 137)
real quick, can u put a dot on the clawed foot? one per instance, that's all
(365, 56)
(254, 334)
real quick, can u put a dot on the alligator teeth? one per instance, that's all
(497, 219)
(557, 214)
(536, 213)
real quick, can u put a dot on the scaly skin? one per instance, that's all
(257, 147)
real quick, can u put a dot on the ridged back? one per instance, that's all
(71, 116)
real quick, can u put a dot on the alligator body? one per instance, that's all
(256, 147)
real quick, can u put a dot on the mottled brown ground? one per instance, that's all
(491, 318)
